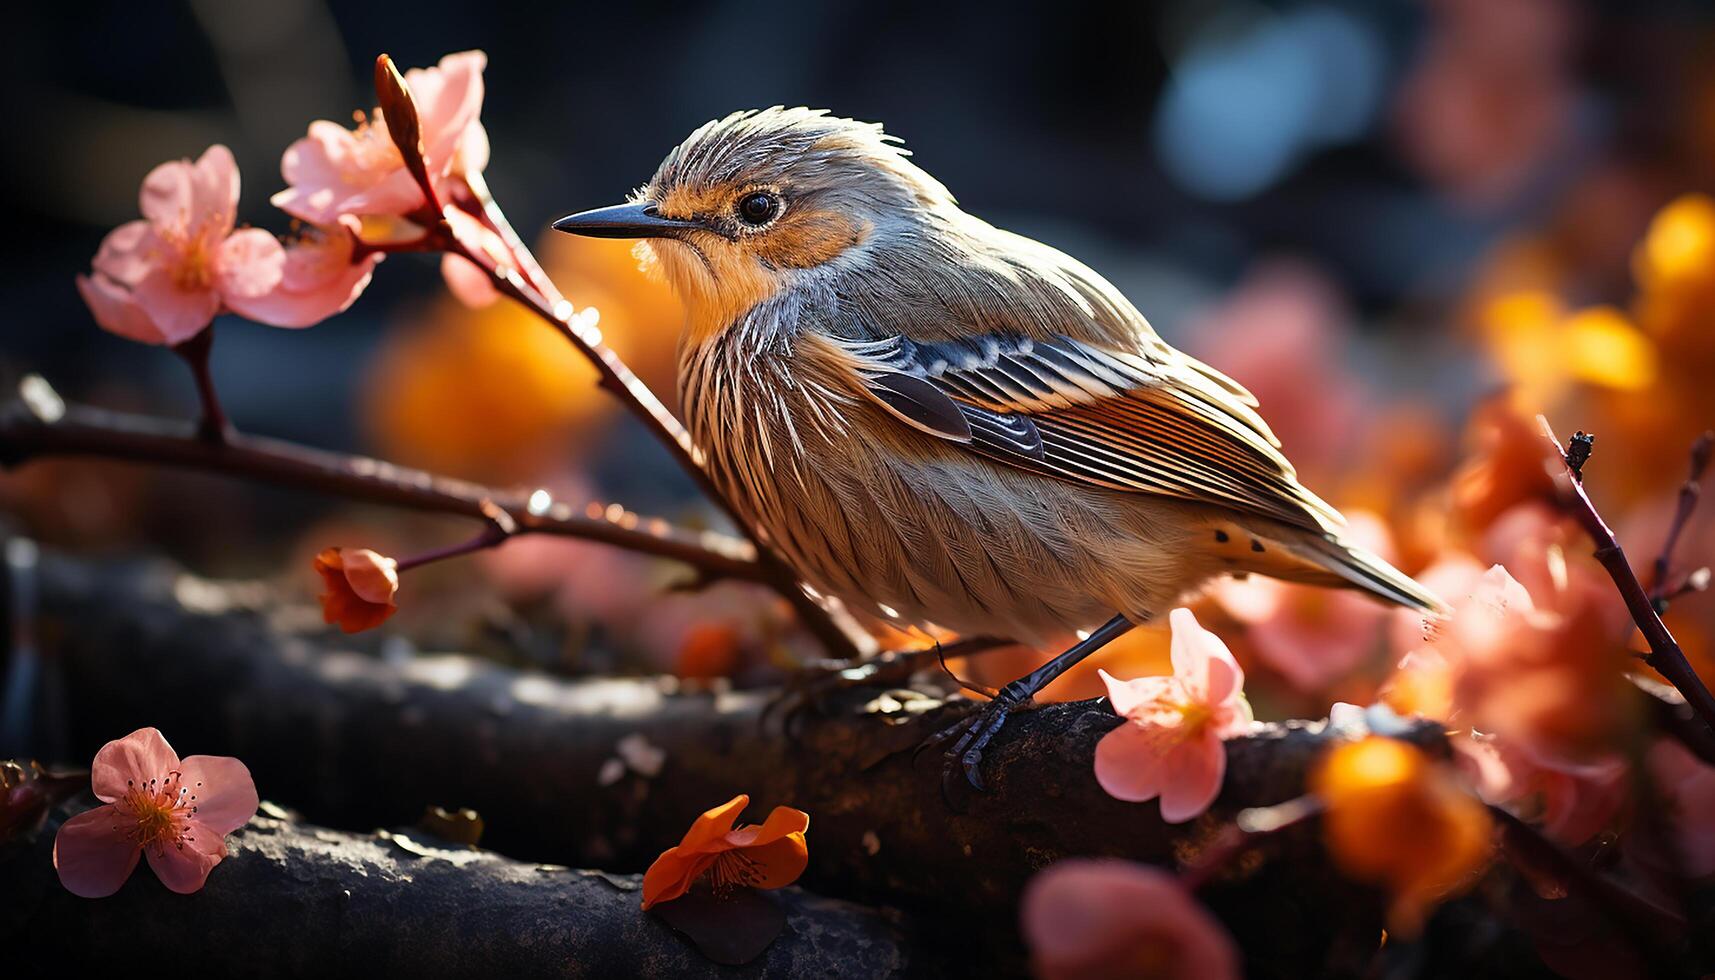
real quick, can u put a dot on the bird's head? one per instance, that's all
(749, 203)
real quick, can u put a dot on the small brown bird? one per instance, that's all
(940, 422)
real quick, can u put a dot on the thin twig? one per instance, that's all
(39, 424)
(1665, 654)
(1661, 593)
(497, 529)
(214, 426)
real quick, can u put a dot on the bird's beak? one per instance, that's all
(635, 220)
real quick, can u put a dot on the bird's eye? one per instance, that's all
(758, 208)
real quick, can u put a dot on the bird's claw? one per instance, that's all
(970, 736)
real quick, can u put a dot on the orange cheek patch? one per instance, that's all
(806, 240)
(689, 202)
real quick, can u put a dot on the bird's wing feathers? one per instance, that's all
(1147, 421)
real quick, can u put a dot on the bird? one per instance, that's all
(941, 423)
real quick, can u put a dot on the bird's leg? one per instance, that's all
(975, 733)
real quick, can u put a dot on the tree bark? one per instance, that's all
(356, 741)
(293, 900)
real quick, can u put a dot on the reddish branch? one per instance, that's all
(1665, 654)
(38, 425)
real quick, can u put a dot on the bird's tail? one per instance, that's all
(1320, 558)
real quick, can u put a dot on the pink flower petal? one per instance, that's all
(167, 199)
(1194, 771)
(449, 99)
(225, 795)
(139, 757)
(126, 254)
(116, 311)
(1202, 661)
(1127, 697)
(214, 200)
(252, 263)
(292, 304)
(1131, 762)
(179, 314)
(183, 867)
(92, 854)
(468, 282)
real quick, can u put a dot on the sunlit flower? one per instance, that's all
(1170, 745)
(322, 276)
(360, 588)
(1114, 919)
(1571, 801)
(162, 279)
(1546, 677)
(715, 854)
(335, 171)
(1395, 819)
(1689, 786)
(176, 813)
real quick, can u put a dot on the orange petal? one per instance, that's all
(667, 878)
(712, 827)
(783, 821)
(781, 861)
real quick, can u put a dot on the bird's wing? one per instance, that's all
(1154, 421)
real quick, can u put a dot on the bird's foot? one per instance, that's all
(971, 735)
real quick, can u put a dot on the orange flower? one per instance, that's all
(772, 855)
(1398, 820)
(360, 588)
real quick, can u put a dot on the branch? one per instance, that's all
(292, 900)
(38, 424)
(358, 742)
(1665, 655)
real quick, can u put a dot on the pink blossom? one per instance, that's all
(335, 171)
(322, 276)
(175, 812)
(1690, 789)
(162, 279)
(1170, 744)
(1571, 801)
(1090, 920)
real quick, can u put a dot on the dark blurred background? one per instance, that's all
(1311, 195)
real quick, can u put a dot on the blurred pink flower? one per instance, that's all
(1093, 920)
(161, 280)
(335, 171)
(1571, 801)
(1690, 789)
(1284, 335)
(1170, 743)
(322, 276)
(177, 813)
(1313, 636)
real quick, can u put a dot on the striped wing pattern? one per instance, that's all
(1154, 421)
